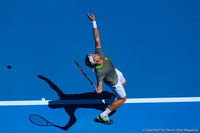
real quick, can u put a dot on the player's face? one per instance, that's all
(96, 57)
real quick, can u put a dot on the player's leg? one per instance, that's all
(120, 93)
(121, 97)
(122, 81)
(117, 103)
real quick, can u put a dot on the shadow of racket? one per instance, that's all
(40, 121)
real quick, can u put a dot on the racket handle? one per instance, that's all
(94, 86)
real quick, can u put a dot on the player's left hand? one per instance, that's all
(92, 18)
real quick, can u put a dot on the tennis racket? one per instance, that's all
(40, 121)
(85, 75)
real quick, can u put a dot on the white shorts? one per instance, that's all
(118, 89)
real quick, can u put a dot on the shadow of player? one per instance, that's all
(93, 100)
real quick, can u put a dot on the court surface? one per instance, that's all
(155, 44)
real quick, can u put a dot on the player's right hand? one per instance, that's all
(98, 90)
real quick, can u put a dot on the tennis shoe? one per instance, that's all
(105, 120)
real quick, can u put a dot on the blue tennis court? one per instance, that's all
(155, 44)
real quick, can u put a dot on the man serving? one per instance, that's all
(106, 72)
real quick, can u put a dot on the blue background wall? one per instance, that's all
(156, 44)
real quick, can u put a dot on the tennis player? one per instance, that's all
(106, 72)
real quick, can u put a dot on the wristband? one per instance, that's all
(94, 24)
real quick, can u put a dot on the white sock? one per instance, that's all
(105, 113)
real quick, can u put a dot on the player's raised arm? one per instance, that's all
(95, 31)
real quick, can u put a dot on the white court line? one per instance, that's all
(98, 101)
(163, 100)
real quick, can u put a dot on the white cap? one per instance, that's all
(91, 59)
